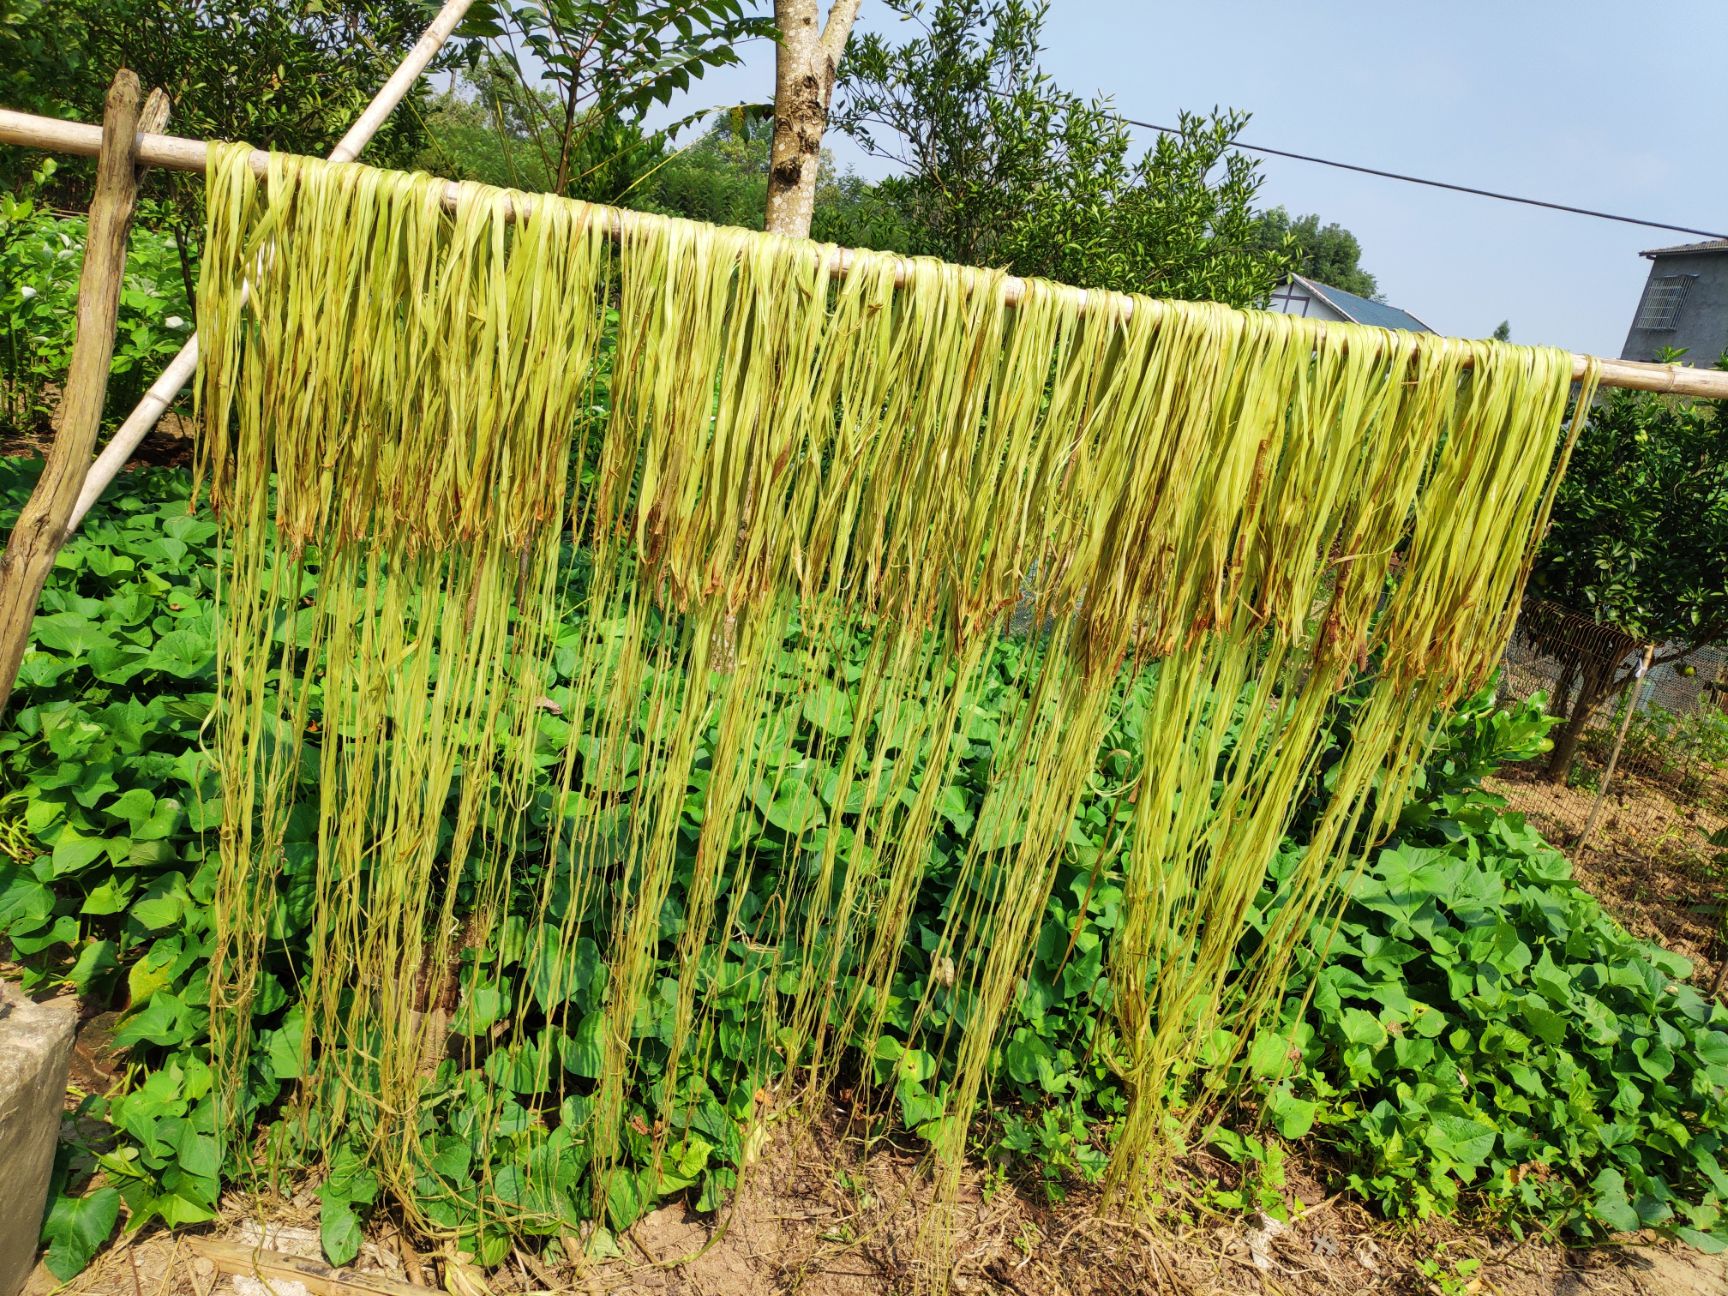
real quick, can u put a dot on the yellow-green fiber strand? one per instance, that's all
(522, 812)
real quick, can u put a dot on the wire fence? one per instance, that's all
(1637, 784)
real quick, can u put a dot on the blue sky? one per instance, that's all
(1616, 107)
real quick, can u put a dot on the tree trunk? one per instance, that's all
(41, 526)
(1562, 699)
(1596, 684)
(805, 63)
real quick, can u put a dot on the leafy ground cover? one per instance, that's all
(1475, 1037)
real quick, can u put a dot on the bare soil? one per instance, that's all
(169, 444)
(821, 1215)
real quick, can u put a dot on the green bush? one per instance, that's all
(41, 255)
(1481, 1033)
(1482, 1029)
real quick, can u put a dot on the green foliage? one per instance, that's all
(76, 1228)
(487, 130)
(1683, 745)
(584, 74)
(721, 178)
(490, 132)
(1451, 1277)
(1480, 1036)
(1484, 1028)
(43, 58)
(102, 764)
(1328, 254)
(107, 889)
(1640, 531)
(1481, 1031)
(1004, 168)
(278, 74)
(41, 255)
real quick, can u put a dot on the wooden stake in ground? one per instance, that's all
(41, 528)
(1614, 756)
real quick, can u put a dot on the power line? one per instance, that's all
(1435, 184)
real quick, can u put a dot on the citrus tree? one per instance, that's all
(1639, 542)
(1003, 167)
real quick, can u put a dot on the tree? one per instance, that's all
(585, 74)
(1005, 168)
(1639, 544)
(806, 62)
(43, 59)
(853, 212)
(723, 178)
(275, 73)
(1502, 331)
(1328, 254)
(485, 130)
(278, 74)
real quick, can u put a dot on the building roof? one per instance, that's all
(1362, 310)
(1688, 249)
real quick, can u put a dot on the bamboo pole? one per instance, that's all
(1614, 755)
(29, 131)
(41, 528)
(188, 155)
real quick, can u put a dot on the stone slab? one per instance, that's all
(35, 1044)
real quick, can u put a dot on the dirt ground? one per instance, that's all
(818, 1216)
(169, 444)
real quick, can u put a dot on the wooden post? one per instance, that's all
(41, 528)
(1614, 756)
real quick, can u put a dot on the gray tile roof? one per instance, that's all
(1687, 249)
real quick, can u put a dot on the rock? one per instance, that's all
(35, 1043)
(1260, 1239)
(284, 1239)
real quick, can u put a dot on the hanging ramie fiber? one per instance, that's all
(605, 623)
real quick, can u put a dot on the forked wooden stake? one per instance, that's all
(41, 528)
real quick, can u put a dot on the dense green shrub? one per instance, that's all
(41, 255)
(1480, 1035)
(1481, 1028)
